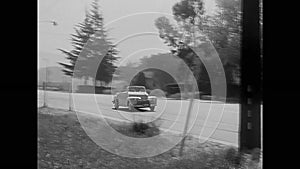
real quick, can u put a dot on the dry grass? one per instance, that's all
(62, 143)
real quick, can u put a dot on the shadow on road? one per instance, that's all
(135, 109)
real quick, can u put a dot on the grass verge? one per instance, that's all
(62, 143)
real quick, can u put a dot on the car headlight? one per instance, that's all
(152, 100)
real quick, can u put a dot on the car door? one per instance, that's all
(123, 98)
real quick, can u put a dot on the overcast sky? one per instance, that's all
(123, 18)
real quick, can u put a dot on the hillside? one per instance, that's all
(55, 74)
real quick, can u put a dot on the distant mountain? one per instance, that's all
(55, 74)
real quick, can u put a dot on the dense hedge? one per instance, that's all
(92, 89)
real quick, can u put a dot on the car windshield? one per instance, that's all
(136, 89)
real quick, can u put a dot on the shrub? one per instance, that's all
(137, 129)
(229, 158)
(140, 128)
(233, 157)
(255, 154)
(149, 129)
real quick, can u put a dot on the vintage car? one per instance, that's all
(134, 97)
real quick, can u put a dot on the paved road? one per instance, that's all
(215, 121)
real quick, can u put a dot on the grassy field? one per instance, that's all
(62, 143)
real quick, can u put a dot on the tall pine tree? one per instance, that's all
(90, 46)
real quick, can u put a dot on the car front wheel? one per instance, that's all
(130, 107)
(116, 104)
(152, 108)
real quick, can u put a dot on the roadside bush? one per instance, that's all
(140, 128)
(229, 158)
(255, 154)
(238, 159)
(233, 157)
(145, 129)
(137, 129)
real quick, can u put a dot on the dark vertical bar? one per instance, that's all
(250, 115)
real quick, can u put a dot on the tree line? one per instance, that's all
(222, 30)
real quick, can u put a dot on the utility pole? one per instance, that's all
(46, 60)
(187, 120)
(70, 95)
(190, 107)
(250, 114)
(45, 84)
(44, 88)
